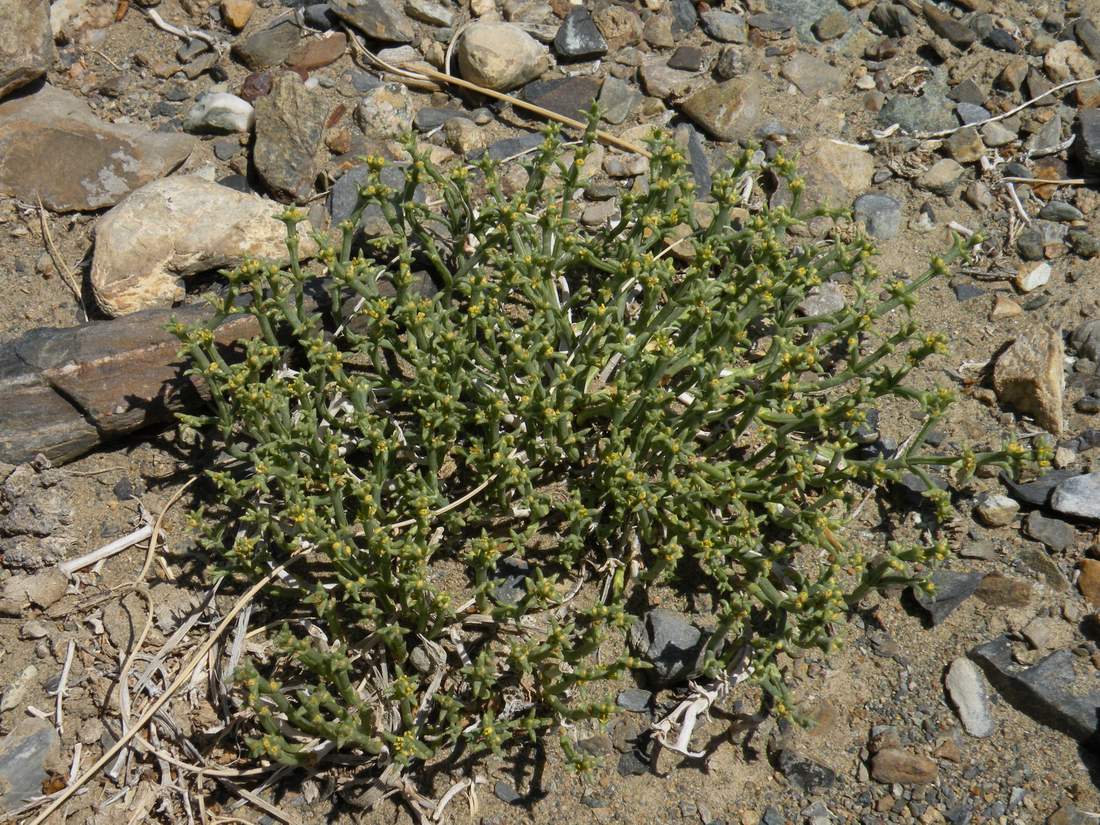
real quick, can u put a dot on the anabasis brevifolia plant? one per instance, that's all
(485, 436)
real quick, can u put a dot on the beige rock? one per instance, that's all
(1005, 307)
(834, 172)
(18, 687)
(1065, 61)
(26, 42)
(463, 135)
(896, 765)
(236, 13)
(728, 110)
(1029, 376)
(996, 509)
(965, 145)
(69, 19)
(812, 75)
(1030, 277)
(177, 227)
(500, 56)
(1003, 591)
(942, 177)
(42, 590)
(619, 26)
(660, 81)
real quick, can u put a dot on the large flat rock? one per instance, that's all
(53, 146)
(1055, 691)
(67, 390)
(26, 43)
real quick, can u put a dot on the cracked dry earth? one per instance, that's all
(979, 706)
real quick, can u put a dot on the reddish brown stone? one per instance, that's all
(256, 85)
(67, 390)
(313, 54)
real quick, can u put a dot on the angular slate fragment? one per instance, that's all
(1037, 492)
(578, 38)
(569, 96)
(510, 146)
(1049, 691)
(670, 643)
(952, 589)
(805, 775)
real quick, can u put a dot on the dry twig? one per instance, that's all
(425, 73)
(55, 256)
(106, 551)
(1009, 113)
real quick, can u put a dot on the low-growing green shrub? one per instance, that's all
(605, 410)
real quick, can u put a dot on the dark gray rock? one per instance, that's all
(226, 148)
(968, 92)
(512, 575)
(268, 47)
(687, 59)
(635, 700)
(506, 793)
(320, 16)
(1089, 37)
(670, 643)
(345, 195)
(569, 96)
(578, 38)
(893, 19)
(26, 756)
(771, 22)
(724, 26)
(1085, 340)
(617, 99)
(238, 183)
(930, 111)
(1033, 241)
(1002, 41)
(951, 590)
(1060, 211)
(633, 763)
(689, 139)
(968, 292)
(510, 146)
(191, 49)
(1049, 691)
(1037, 492)
(880, 213)
(684, 17)
(379, 20)
(1083, 243)
(430, 118)
(804, 774)
(948, 27)
(1030, 244)
(1087, 145)
(1054, 533)
(971, 113)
